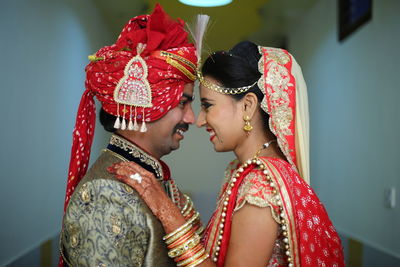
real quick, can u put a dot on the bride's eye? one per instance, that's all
(205, 105)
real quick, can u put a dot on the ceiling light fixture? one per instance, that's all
(205, 3)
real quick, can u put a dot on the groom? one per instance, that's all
(144, 83)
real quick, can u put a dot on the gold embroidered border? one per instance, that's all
(147, 159)
(289, 212)
(137, 153)
(259, 203)
(280, 112)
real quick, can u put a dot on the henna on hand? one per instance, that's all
(135, 176)
(169, 214)
(150, 190)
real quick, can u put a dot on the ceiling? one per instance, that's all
(261, 21)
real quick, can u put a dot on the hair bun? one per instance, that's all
(248, 51)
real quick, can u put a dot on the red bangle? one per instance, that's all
(181, 239)
(192, 212)
(189, 253)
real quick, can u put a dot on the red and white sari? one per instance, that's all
(306, 234)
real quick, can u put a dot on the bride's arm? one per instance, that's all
(253, 236)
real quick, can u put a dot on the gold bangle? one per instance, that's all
(182, 239)
(176, 231)
(190, 253)
(188, 210)
(200, 230)
(189, 213)
(171, 236)
(198, 261)
(194, 257)
(194, 217)
(186, 203)
(189, 244)
(178, 235)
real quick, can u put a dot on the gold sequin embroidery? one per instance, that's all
(276, 85)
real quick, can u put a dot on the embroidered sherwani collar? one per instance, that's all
(132, 152)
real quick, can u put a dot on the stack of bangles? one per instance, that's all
(188, 212)
(184, 243)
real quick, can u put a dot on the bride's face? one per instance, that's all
(222, 117)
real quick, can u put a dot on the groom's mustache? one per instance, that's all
(181, 126)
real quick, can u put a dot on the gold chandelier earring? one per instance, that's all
(247, 126)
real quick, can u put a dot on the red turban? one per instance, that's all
(117, 72)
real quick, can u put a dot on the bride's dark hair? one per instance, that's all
(236, 68)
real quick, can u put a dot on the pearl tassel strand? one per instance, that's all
(226, 198)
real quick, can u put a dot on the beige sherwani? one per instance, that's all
(106, 222)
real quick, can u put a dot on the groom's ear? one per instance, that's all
(250, 104)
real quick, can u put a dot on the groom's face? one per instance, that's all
(166, 133)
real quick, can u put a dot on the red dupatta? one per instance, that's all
(310, 237)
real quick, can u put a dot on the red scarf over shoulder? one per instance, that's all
(311, 237)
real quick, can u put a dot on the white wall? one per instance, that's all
(354, 91)
(44, 47)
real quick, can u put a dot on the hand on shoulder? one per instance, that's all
(135, 176)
